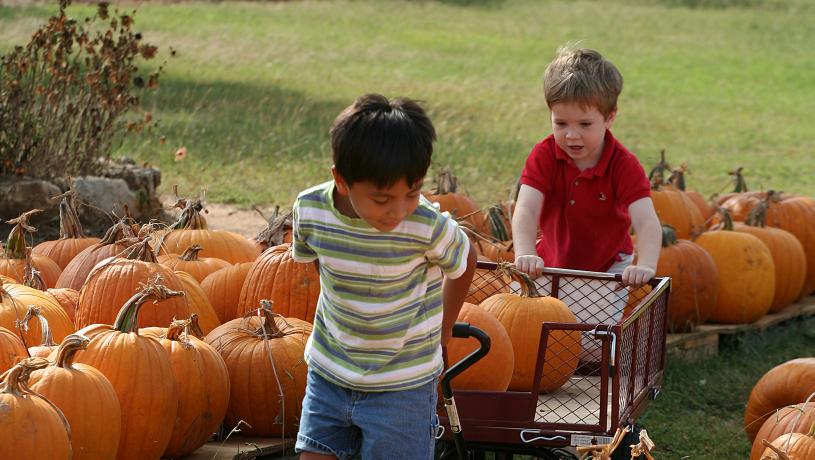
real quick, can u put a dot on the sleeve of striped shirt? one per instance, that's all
(301, 251)
(449, 247)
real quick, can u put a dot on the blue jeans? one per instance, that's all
(376, 425)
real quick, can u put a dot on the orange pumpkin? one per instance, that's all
(793, 446)
(694, 279)
(788, 383)
(675, 209)
(67, 298)
(677, 179)
(203, 385)
(113, 243)
(522, 317)
(12, 349)
(191, 228)
(746, 274)
(198, 267)
(198, 302)
(31, 427)
(223, 288)
(87, 399)
(494, 371)
(145, 386)
(486, 283)
(789, 419)
(460, 206)
(293, 288)
(265, 354)
(16, 255)
(14, 302)
(72, 239)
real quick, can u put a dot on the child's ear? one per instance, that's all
(610, 118)
(342, 186)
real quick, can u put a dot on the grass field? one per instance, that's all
(254, 86)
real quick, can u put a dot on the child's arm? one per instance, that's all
(525, 229)
(454, 291)
(649, 238)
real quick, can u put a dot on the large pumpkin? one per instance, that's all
(493, 372)
(790, 419)
(12, 349)
(191, 228)
(522, 316)
(141, 374)
(694, 280)
(746, 275)
(31, 427)
(113, 243)
(72, 239)
(786, 384)
(223, 288)
(15, 299)
(15, 255)
(87, 399)
(267, 372)
(190, 262)
(293, 288)
(203, 385)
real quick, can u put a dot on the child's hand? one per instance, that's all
(637, 275)
(532, 265)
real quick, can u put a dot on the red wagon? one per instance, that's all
(620, 370)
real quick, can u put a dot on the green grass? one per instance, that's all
(255, 86)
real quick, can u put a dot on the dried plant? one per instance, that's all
(65, 96)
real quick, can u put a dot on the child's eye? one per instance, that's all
(585, 125)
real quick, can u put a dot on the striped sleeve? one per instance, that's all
(301, 251)
(449, 247)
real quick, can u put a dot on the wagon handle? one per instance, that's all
(463, 331)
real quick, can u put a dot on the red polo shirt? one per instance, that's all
(584, 221)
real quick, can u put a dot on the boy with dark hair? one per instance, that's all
(581, 187)
(394, 272)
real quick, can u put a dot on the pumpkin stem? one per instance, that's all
(446, 183)
(276, 228)
(738, 180)
(677, 177)
(757, 217)
(668, 236)
(528, 287)
(497, 218)
(68, 348)
(727, 219)
(119, 231)
(15, 380)
(190, 218)
(142, 251)
(15, 244)
(269, 326)
(658, 171)
(780, 453)
(33, 310)
(127, 318)
(69, 225)
(31, 276)
(187, 327)
(191, 253)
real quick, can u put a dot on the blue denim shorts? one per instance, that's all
(374, 425)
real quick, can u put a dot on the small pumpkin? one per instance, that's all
(223, 288)
(459, 205)
(114, 242)
(792, 446)
(15, 299)
(12, 349)
(789, 419)
(190, 262)
(16, 255)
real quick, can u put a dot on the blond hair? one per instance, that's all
(582, 76)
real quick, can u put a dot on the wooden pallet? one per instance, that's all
(705, 340)
(242, 448)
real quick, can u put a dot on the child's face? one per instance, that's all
(382, 208)
(580, 131)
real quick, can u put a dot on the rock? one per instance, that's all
(106, 194)
(18, 195)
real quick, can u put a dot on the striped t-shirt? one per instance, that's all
(378, 320)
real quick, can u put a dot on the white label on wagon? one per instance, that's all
(588, 440)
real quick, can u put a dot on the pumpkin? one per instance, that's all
(522, 316)
(141, 374)
(267, 372)
(293, 288)
(794, 214)
(198, 267)
(486, 283)
(675, 209)
(788, 383)
(278, 231)
(793, 446)
(47, 345)
(789, 419)
(17, 255)
(460, 206)
(694, 279)
(495, 251)
(191, 228)
(14, 302)
(113, 243)
(113, 282)
(494, 371)
(199, 303)
(31, 427)
(203, 385)
(85, 397)
(67, 298)
(223, 288)
(746, 274)
(788, 256)
(12, 349)
(677, 179)
(72, 239)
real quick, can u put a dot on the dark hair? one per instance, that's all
(382, 141)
